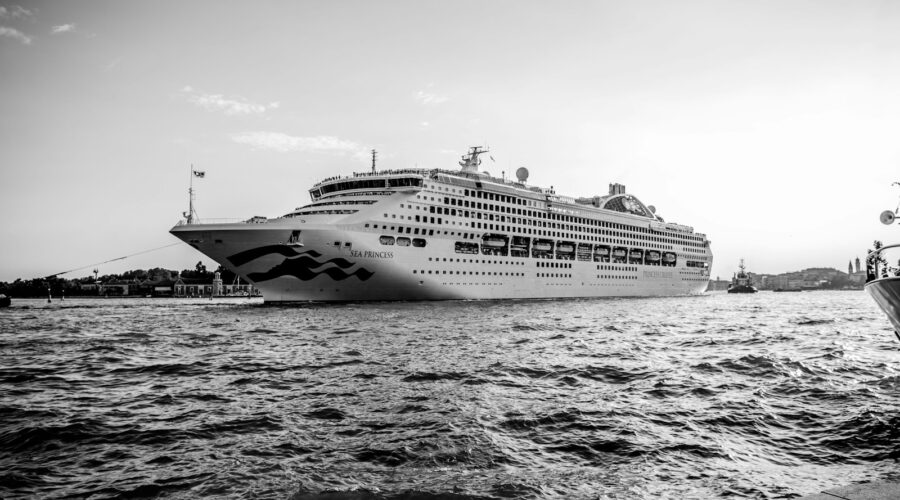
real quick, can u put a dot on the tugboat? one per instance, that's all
(882, 280)
(740, 283)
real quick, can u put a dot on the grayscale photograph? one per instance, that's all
(450, 250)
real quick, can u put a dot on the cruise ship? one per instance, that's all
(434, 234)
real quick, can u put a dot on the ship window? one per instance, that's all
(403, 241)
(418, 242)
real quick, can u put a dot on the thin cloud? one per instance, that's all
(428, 98)
(228, 105)
(15, 34)
(112, 64)
(14, 12)
(283, 143)
(62, 28)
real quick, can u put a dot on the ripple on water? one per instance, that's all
(701, 397)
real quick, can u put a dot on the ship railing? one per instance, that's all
(196, 220)
(877, 266)
(379, 173)
(433, 172)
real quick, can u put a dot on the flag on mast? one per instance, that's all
(199, 173)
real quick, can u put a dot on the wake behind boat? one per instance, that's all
(418, 234)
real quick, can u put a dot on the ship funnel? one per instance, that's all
(616, 188)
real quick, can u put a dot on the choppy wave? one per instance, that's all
(704, 397)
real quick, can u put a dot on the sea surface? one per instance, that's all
(773, 395)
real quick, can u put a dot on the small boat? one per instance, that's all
(565, 247)
(653, 255)
(5, 301)
(619, 253)
(494, 240)
(741, 282)
(542, 245)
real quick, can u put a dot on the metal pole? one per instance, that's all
(190, 217)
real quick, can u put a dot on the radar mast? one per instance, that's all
(470, 162)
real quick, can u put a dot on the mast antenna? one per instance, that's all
(191, 214)
(374, 154)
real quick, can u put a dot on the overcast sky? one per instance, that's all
(773, 127)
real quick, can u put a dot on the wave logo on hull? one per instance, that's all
(301, 265)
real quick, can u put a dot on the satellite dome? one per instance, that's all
(652, 209)
(522, 174)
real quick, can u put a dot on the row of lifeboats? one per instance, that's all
(542, 248)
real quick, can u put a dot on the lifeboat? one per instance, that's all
(637, 254)
(619, 253)
(601, 253)
(494, 240)
(542, 246)
(653, 255)
(565, 247)
(669, 258)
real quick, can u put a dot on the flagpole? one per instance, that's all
(190, 217)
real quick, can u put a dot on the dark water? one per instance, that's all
(764, 396)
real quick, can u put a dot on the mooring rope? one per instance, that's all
(113, 260)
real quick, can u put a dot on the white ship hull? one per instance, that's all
(365, 270)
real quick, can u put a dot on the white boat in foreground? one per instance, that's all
(883, 280)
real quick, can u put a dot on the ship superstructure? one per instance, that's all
(417, 234)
